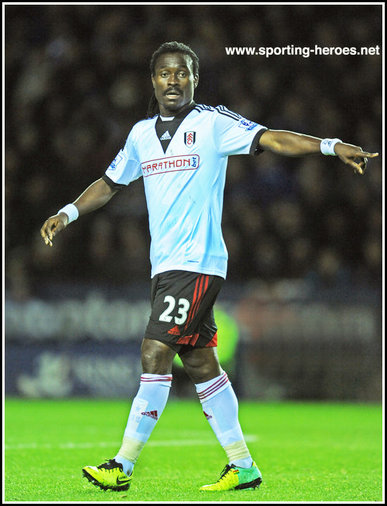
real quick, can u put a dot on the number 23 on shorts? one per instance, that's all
(182, 310)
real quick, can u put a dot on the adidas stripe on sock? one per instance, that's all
(146, 409)
(220, 406)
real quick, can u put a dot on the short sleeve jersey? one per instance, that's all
(184, 184)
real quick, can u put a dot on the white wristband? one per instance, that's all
(71, 211)
(327, 146)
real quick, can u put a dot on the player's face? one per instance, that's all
(174, 82)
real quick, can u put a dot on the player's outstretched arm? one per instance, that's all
(95, 196)
(288, 143)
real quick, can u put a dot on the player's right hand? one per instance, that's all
(52, 226)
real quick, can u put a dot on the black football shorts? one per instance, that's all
(182, 313)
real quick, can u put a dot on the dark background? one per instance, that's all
(77, 79)
(304, 234)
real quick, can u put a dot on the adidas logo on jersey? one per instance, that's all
(166, 136)
(152, 414)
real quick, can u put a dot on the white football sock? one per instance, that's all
(220, 407)
(146, 409)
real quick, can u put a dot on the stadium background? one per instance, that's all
(304, 235)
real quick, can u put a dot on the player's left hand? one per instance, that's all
(354, 156)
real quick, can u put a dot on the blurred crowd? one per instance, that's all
(77, 79)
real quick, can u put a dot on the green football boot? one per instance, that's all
(108, 476)
(236, 478)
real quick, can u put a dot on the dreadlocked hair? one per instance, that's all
(169, 47)
(153, 106)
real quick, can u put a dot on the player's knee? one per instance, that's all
(200, 374)
(201, 367)
(156, 357)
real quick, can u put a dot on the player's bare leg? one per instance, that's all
(156, 357)
(201, 364)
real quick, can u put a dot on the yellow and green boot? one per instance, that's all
(236, 478)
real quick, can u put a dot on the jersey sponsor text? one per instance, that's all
(170, 164)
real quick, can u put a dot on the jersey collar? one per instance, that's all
(165, 130)
(183, 112)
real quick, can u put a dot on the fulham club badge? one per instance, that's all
(189, 138)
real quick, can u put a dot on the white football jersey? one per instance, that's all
(184, 184)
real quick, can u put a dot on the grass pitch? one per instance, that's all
(306, 452)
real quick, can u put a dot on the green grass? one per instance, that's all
(305, 451)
